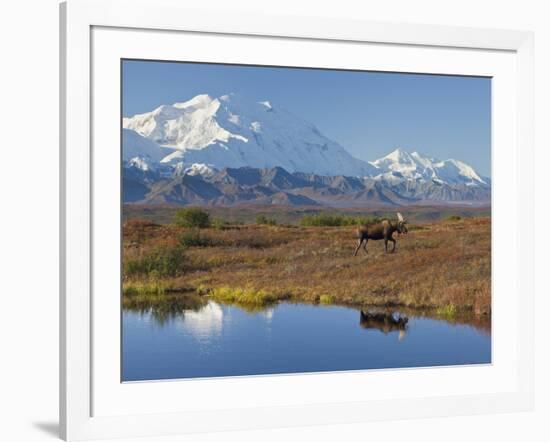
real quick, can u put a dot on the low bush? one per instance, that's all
(454, 218)
(264, 220)
(158, 263)
(193, 238)
(327, 220)
(192, 217)
(219, 224)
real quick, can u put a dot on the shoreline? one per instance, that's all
(192, 301)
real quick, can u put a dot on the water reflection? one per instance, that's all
(163, 308)
(385, 322)
(205, 322)
(202, 314)
(186, 336)
(268, 314)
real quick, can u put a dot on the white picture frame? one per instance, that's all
(90, 408)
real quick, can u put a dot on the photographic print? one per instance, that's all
(280, 220)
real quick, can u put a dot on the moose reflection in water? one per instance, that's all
(385, 322)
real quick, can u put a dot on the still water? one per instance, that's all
(213, 339)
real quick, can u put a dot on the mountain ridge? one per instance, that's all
(237, 149)
(276, 186)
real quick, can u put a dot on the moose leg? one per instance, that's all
(365, 246)
(359, 242)
(394, 242)
(386, 244)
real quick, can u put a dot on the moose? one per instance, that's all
(382, 230)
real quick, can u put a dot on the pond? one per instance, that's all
(169, 340)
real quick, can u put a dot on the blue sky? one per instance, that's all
(369, 113)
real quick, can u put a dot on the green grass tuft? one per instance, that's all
(447, 311)
(241, 296)
(140, 288)
(326, 299)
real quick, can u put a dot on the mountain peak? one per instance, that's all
(198, 101)
(236, 131)
(397, 151)
(399, 155)
(400, 166)
(396, 159)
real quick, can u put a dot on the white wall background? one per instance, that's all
(29, 205)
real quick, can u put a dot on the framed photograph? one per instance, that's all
(276, 221)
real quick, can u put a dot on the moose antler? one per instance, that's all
(400, 218)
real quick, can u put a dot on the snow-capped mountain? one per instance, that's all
(202, 169)
(230, 131)
(400, 166)
(228, 150)
(137, 146)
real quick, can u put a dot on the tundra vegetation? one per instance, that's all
(263, 220)
(328, 220)
(442, 267)
(192, 217)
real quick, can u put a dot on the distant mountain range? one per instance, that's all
(228, 151)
